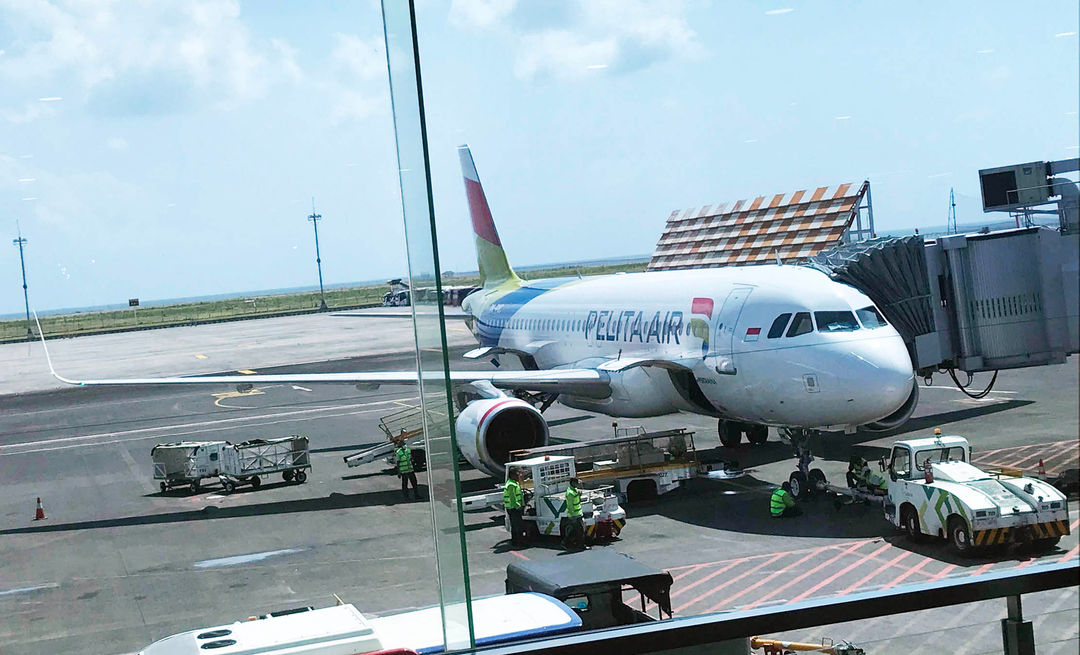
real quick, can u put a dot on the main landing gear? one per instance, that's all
(731, 433)
(804, 480)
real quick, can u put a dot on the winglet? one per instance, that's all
(48, 358)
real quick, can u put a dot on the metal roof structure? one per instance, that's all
(793, 226)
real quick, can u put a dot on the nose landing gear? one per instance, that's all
(804, 480)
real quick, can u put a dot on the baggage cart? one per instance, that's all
(188, 463)
(251, 461)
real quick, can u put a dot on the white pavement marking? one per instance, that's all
(299, 388)
(219, 424)
(1011, 393)
(243, 559)
(26, 590)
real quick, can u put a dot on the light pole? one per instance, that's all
(315, 218)
(22, 262)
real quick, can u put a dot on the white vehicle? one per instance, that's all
(343, 630)
(188, 463)
(545, 479)
(934, 490)
(753, 346)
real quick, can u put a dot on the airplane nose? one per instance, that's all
(882, 376)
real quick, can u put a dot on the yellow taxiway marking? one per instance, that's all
(200, 356)
(234, 394)
(246, 371)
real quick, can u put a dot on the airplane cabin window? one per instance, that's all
(800, 325)
(777, 329)
(836, 321)
(871, 318)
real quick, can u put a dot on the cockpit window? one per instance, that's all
(801, 324)
(871, 318)
(835, 321)
(777, 329)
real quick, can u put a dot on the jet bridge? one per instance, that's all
(971, 302)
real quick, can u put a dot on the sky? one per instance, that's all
(172, 148)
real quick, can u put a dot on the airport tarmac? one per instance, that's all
(117, 564)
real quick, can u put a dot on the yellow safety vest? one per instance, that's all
(404, 460)
(573, 502)
(513, 498)
(779, 501)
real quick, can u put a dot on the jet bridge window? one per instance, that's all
(777, 329)
(801, 324)
(871, 318)
(836, 322)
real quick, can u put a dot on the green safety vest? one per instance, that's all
(404, 460)
(780, 501)
(573, 502)
(513, 498)
(875, 479)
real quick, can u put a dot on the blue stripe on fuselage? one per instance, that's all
(493, 320)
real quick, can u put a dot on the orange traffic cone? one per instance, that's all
(1042, 469)
(40, 513)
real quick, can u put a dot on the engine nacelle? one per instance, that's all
(488, 429)
(635, 393)
(900, 416)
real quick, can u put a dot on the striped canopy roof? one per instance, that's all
(794, 226)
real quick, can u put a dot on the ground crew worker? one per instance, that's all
(405, 469)
(514, 502)
(782, 503)
(855, 477)
(572, 526)
(875, 482)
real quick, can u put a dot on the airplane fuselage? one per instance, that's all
(709, 341)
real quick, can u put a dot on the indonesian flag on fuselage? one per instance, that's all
(752, 334)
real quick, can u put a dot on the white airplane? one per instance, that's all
(753, 346)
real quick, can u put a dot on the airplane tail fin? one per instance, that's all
(490, 256)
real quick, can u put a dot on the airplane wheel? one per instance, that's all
(799, 485)
(301, 477)
(757, 434)
(730, 433)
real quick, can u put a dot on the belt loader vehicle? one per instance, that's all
(933, 490)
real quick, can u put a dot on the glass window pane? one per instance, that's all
(801, 324)
(777, 329)
(835, 321)
(871, 318)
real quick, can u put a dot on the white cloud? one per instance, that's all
(363, 59)
(137, 57)
(1063, 34)
(117, 143)
(777, 12)
(583, 35)
(356, 84)
(480, 13)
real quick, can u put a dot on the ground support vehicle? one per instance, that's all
(251, 461)
(639, 466)
(188, 463)
(935, 491)
(406, 424)
(592, 584)
(544, 481)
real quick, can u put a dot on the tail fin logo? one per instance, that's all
(490, 257)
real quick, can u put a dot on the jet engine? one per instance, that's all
(488, 429)
(900, 416)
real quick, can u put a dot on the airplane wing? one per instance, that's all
(588, 382)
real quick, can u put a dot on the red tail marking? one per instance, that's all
(482, 224)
